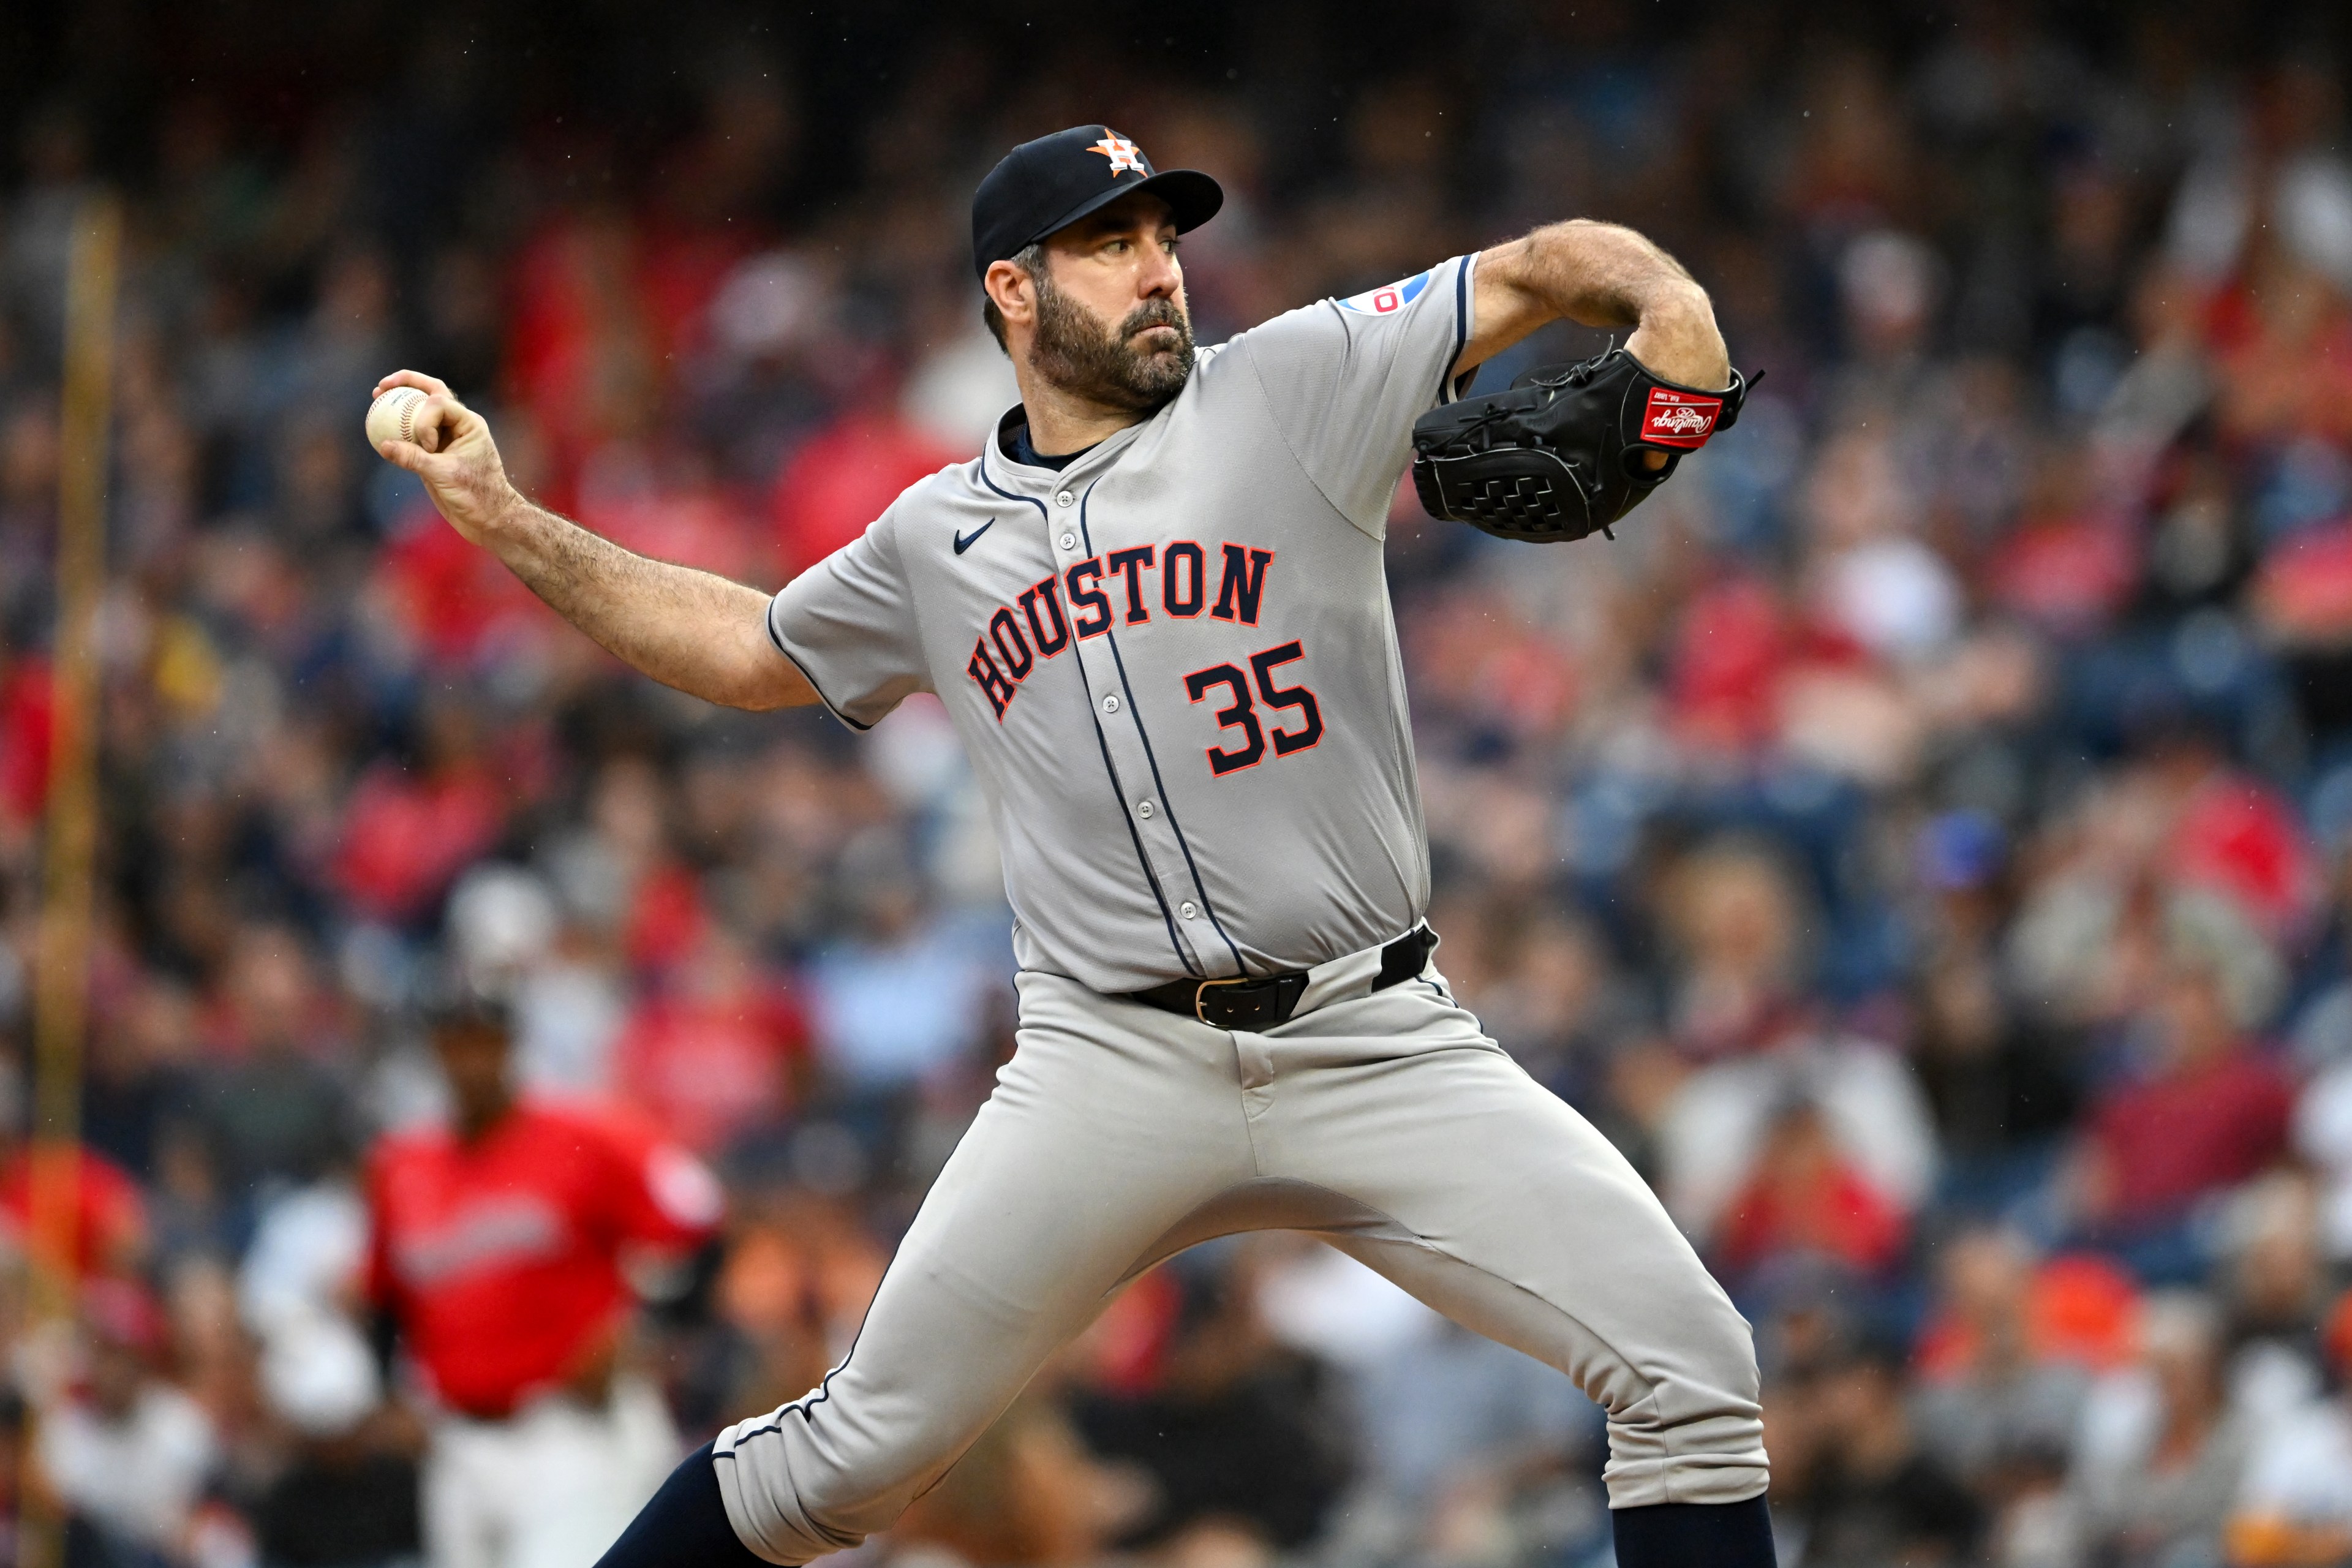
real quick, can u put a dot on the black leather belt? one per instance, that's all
(1260, 1001)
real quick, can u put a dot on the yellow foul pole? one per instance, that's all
(61, 981)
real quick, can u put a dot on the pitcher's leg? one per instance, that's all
(1502, 1207)
(1109, 1125)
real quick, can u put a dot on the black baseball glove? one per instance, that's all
(1559, 454)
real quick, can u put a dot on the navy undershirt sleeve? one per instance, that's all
(684, 1525)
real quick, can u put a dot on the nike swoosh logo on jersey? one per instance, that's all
(965, 541)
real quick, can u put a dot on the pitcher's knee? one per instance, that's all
(1698, 1436)
(787, 1502)
(822, 1474)
(1722, 1353)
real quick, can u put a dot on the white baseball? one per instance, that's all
(393, 417)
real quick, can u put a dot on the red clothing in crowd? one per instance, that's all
(457, 600)
(2069, 573)
(845, 476)
(2080, 1308)
(110, 1218)
(710, 1066)
(666, 920)
(2304, 589)
(2169, 1142)
(1736, 647)
(1836, 1213)
(406, 838)
(598, 310)
(501, 1260)
(27, 717)
(2242, 838)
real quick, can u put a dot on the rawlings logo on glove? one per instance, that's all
(1679, 419)
(1560, 455)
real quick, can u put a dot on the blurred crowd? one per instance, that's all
(1921, 840)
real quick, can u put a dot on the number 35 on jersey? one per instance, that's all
(1183, 580)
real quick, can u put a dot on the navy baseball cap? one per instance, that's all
(1052, 182)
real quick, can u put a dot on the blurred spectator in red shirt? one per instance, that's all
(26, 718)
(497, 1250)
(407, 834)
(2234, 836)
(712, 1052)
(1804, 1195)
(844, 477)
(498, 1242)
(1729, 649)
(108, 1233)
(110, 1224)
(2285, 344)
(2069, 565)
(598, 309)
(457, 600)
(2210, 1112)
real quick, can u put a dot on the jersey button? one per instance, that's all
(1111, 703)
(1065, 498)
(1188, 909)
(1143, 809)
(1069, 541)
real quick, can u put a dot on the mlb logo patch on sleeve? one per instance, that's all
(1389, 301)
(1679, 418)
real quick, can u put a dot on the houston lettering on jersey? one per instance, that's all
(1116, 589)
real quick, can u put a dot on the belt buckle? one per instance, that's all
(1201, 997)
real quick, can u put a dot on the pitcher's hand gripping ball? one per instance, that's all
(393, 417)
(1563, 452)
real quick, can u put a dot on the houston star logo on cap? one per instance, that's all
(1047, 184)
(1123, 153)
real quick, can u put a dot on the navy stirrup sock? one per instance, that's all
(684, 1525)
(1693, 1535)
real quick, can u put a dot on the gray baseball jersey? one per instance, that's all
(1172, 662)
(1173, 666)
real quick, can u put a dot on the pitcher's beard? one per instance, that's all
(1072, 352)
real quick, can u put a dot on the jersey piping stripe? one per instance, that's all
(1150, 877)
(804, 1403)
(1166, 915)
(768, 619)
(1151, 757)
(1445, 392)
(1043, 515)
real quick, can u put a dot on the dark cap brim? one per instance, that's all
(1192, 199)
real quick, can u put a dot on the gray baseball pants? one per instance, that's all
(1385, 1122)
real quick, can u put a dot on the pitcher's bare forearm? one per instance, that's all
(691, 629)
(1599, 275)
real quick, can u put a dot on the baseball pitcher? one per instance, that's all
(1155, 608)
